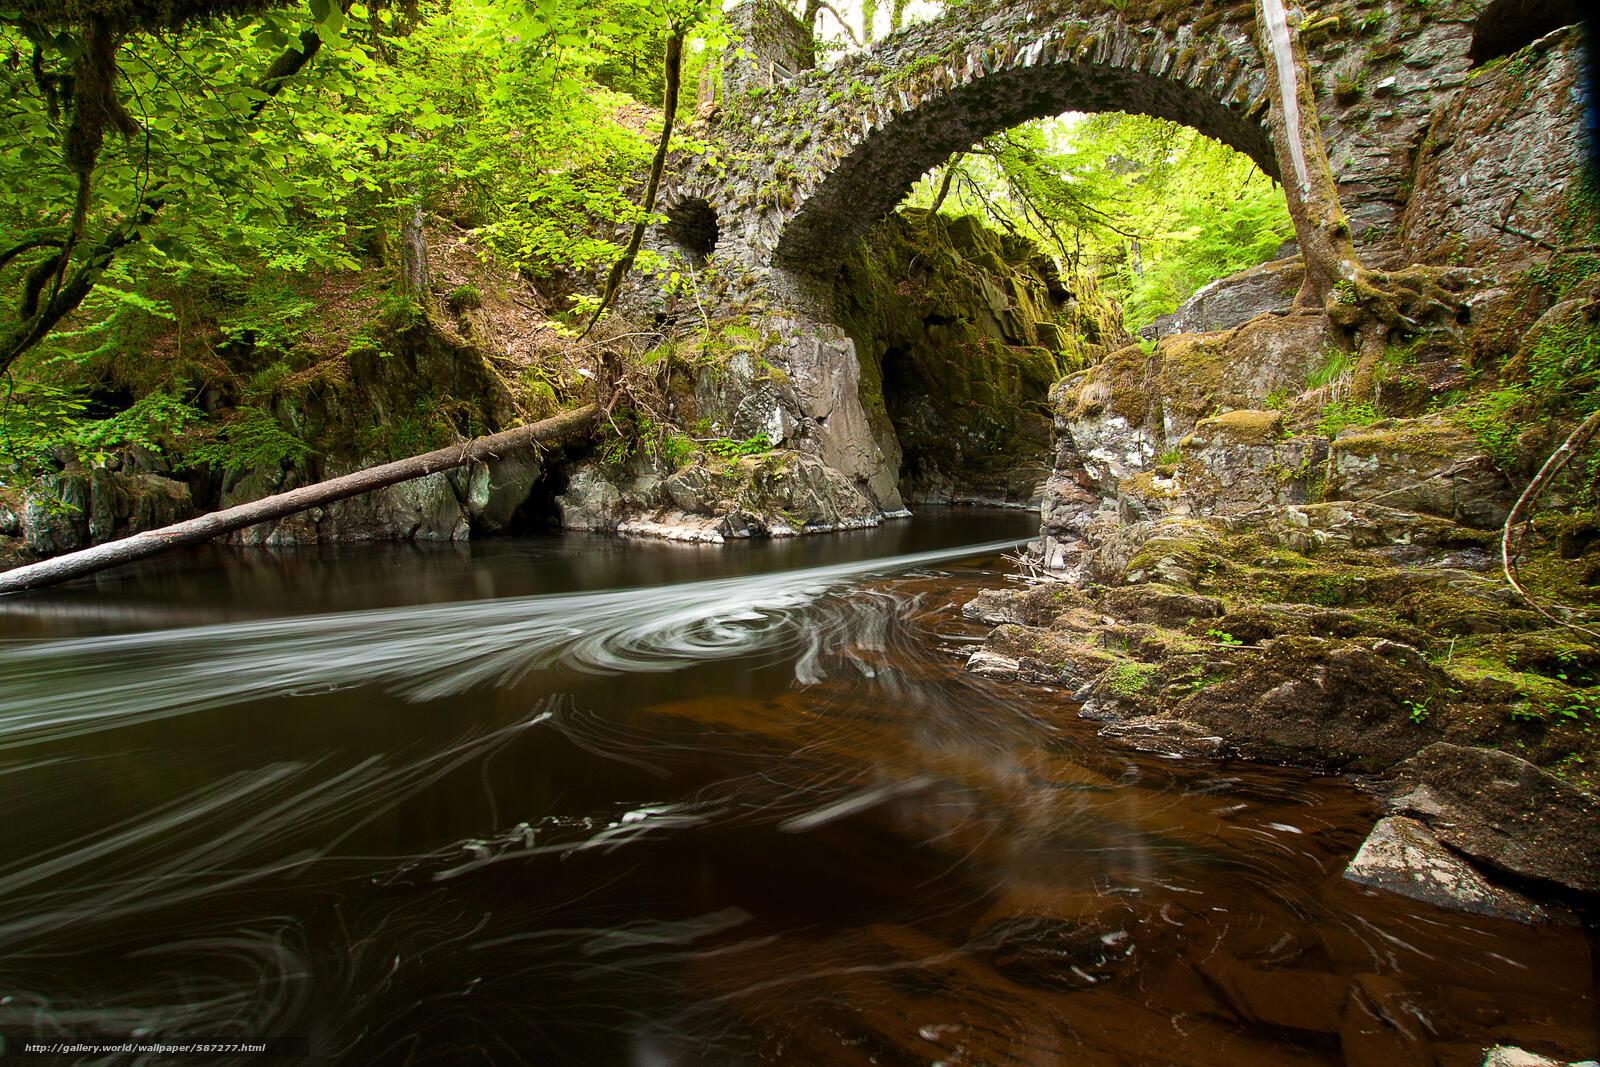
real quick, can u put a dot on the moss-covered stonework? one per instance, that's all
(960, 333)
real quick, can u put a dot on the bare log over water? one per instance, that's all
(194, 531)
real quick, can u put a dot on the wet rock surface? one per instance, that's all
(1503, 812)
(1401, 856)
(960, 331)
(711, 500)
(78, 508)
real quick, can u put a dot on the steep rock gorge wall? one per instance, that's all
(960, 332)
(370, 379)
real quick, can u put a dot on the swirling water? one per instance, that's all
(575, 800)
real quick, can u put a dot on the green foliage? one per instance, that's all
(1223, 637)
(728, 448)
(675, 449)
(1128, 678)
(514, 122)
(150, 422)
(1558, 374)
(1336, 364)
(38, 419)
(1153, 209)
(1343, 414)
(252, 438)
(464, 297)
(35, 417)
(1492, 418)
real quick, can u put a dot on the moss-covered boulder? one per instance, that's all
(1428, 464)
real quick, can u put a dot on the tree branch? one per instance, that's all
(1558, 460)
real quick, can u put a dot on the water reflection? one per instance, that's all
(658, 806)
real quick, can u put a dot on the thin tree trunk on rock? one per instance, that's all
(1308, 186)
(944, 186)
(658, 164)
(414, 256)
(195, 531)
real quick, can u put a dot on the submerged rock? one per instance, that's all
(1401, 856)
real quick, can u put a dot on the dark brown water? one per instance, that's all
(577, 800)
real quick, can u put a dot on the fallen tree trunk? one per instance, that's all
(194, 531)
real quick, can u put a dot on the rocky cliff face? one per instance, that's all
(937, 394)
(370, 381)
(960, 333)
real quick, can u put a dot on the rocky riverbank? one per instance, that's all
(1315, 584)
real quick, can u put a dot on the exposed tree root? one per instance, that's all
(1378, 307)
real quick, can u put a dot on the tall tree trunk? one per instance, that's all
(194, 531)
(1308, 186)
(669, 111)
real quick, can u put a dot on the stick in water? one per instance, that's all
(194, 531)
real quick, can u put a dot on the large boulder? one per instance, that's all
(591, 501)
(423, 509)
(77, 508)
(496, 489)
(1401, 856)
(1428, 464)
(1232, 300)
(55, 514)
(1337, 703)
(1504, 812)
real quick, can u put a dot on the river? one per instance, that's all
(571, 799)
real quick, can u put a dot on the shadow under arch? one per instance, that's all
(1505, 26)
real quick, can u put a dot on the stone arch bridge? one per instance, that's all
(802, 162)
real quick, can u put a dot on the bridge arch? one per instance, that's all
(1205, 85)
(812, 162)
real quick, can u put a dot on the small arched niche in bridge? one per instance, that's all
(869, 181)
(1504, 26)
(692, 229)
